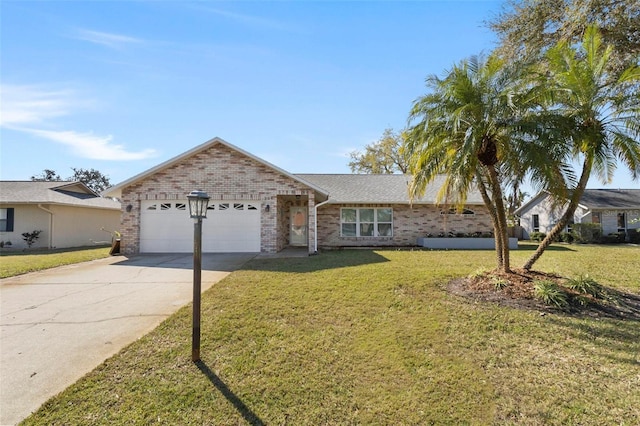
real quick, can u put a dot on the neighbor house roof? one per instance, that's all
(377, 188)
(116, 190)
(597, 199)
(65, 193)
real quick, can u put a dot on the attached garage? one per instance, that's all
(230, 227)
(251, 202)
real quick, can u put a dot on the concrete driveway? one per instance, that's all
(59, 324)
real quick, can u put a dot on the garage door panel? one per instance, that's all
(229, 227)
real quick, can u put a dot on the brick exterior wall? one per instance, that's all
(409, 223)
(225, 174)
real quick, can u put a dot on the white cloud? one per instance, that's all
(30, 109)
(106, 39)
(88, 145)
(29, 104)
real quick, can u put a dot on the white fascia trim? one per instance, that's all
(116, 190)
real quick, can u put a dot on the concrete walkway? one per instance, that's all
(59, 324)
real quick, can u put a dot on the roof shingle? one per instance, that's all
(67, 193)
(376, 188)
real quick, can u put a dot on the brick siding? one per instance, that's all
(409, 223)
(225, 174)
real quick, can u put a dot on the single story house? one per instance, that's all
(69, 214)
(257, 207)
(615, 210)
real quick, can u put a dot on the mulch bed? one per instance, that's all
(519, 293)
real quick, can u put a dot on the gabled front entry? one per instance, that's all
(299, 228)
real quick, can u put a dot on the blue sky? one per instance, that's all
(123, 86)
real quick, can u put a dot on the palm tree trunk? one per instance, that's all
(494, 220)
(568, 214)
(501, 217)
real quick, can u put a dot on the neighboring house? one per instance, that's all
(616, 210)
(258, 207)
(69, 214)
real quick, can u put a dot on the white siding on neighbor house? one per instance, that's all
(27, 218)
(78, 226)
(69, 227)
(548, 217)
(547, 214)
(610, 220)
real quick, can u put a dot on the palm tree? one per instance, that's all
(463, 130)
(604, 112)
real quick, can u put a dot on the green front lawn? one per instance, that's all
(372, 337)
(20, 262)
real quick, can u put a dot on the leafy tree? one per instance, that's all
(382, 157)
(527, 28)
(47, 175)
(463, 129)
(90, 177)
(604, 112)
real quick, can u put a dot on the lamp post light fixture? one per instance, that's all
(198, 203)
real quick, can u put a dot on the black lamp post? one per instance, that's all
(198, 203)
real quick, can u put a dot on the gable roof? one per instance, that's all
(596, 199)
(116, 190)
(377, 188)
(64, 193)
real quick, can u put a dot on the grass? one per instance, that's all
(371, 337)
(14, 263)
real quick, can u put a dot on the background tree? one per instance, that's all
(527, 28)
(94, 179)
(382, 157)
(47, 175)
(605, 113)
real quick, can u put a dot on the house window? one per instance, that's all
(366, 222)
(536, 223)
(595, 217)
(622, 222)
(6, 220)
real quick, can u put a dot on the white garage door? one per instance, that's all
(230, 227)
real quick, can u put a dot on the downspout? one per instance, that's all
(315, 225)
(50, 224)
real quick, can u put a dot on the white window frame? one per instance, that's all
(621, 217)
(358, 223)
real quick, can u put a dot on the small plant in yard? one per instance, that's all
(478, 273)
(31, 237)
(500, 283)
(586, 285)
(550, 293)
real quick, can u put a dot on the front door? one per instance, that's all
(299, 232)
